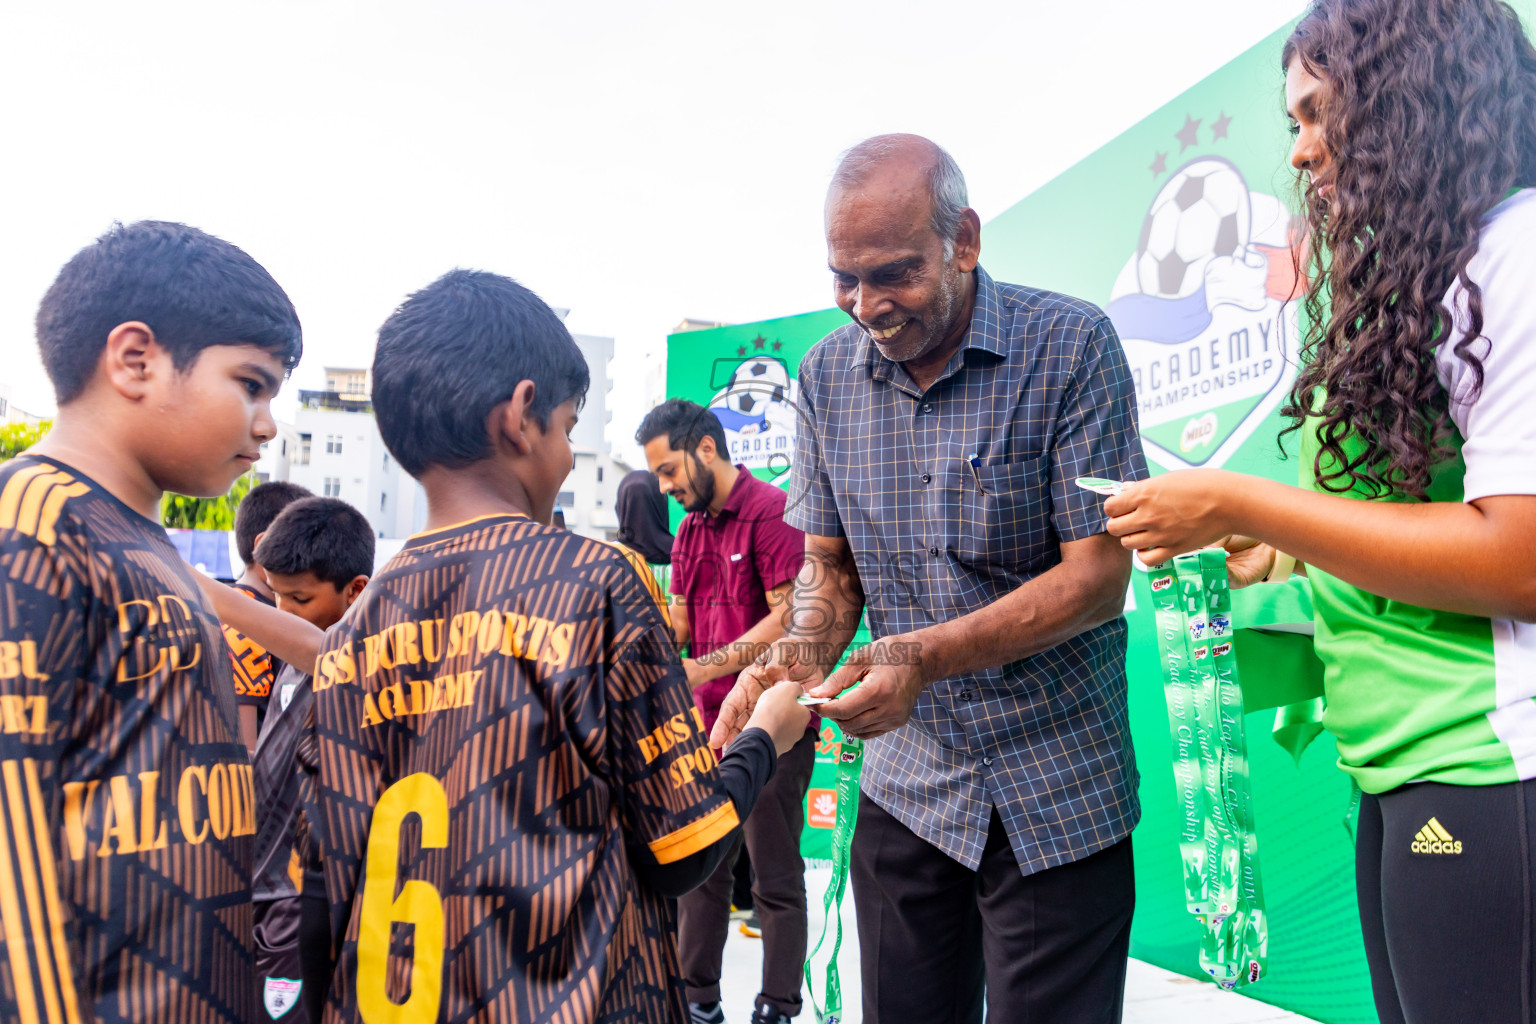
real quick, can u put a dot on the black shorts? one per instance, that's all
(293, 964)
(1445, 879)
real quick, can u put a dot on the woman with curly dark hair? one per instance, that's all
(1415, 125)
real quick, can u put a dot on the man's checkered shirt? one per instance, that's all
(1040, 393)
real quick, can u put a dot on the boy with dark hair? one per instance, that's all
(254, 667)
(318, 556)
(126, 843)
(511, 765)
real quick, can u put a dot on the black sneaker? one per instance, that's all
(767, 1013)
(705, 1013)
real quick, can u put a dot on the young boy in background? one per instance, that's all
(254, 668)
(317, 555)
(127, 817)
(512, 770)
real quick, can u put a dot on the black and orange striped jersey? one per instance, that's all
(255, 670)
(652, 585)
(126, 808)
(505, 733)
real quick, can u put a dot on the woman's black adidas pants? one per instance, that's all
(1445, 878)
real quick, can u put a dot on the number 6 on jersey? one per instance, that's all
(418, 904)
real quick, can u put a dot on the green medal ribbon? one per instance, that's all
(1192, 607)
(849, 760)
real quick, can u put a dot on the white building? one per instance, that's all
(333, 448)
(278, 455)
(589, 496)
(9, 413)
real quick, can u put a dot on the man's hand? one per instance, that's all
(888, 681)
(784, 661)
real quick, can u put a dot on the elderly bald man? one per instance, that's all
(941, 434)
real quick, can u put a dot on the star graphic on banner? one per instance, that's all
(777, 345)
(758, 342)
(1189, 135)
(741, 350)
(1219, 128)
(1160, 165)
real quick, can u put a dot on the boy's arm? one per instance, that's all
(681, 809)
(44, 637)
(744, 771)
(674, 806)
(777, 724)
(288, 637)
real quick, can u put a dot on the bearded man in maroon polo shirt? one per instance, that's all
(734, 562)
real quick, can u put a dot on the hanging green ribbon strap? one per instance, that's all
(849, 760)
(1192, 607)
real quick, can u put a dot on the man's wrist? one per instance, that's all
(924, 650)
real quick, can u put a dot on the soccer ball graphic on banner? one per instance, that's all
(754, 384)
(757, 410)
(1202, 212)
(1203, 312)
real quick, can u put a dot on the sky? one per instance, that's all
(635, 162)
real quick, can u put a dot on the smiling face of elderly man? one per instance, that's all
(900, 255)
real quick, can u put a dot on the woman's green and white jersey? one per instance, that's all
(1416, 695)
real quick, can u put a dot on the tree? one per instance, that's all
(180, 511)
(176, 510)
(16, 438)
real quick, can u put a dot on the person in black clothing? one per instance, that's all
(643, 517)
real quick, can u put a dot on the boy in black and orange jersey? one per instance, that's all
(255, 669)
(127, 812)
(317, 557)
(513, 777)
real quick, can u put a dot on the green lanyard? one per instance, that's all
(849, 760)
(1192, 607)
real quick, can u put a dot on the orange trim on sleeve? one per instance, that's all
(692, 838)
(641, 566)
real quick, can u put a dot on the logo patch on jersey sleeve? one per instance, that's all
(280, 995)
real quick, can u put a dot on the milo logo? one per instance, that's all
(850, 756)
(1198, 432)
(1202, 652)
(1253, 971)
(1221, 649)
(1162, 583)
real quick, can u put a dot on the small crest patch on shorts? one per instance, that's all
(280, 995)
